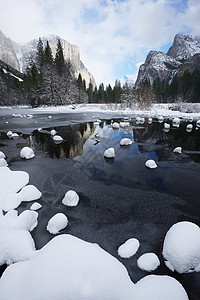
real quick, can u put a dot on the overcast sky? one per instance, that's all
(114, 36)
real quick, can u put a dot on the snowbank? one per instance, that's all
(129, 248)
(181, 248)
(70, 268)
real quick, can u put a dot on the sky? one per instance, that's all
(114, 36)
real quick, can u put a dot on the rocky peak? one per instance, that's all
(184, 47)
(16, 54)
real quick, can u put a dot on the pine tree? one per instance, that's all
(48, 57)
(40, 54)
(59, 58)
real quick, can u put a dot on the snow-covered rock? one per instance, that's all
(115, 125)
(39, 129)
(2, 155)
(181, 248)
(129, 248)
(153, 287)
(142, 120)
(151, 164)
(53, 132)
(166, 126)
(9, 133)
(198, 123)
(57, 138)
(160, 119)
(3, 162)
(148, 262)
(30, 193)
(27, 153)
(109, 153)
(15, 245)
(27, 220)
(35, 206)
(177, 150)
(124, 124)
(189, 126)
(58, 222)
(150, 120)
(71, 198)
(176, 122)
(15, 135)
(125, 142)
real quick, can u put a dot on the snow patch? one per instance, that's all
(129, 248)
(57, 223)
(148, 262)
(71, 198)
(27, 153)
(109, 153)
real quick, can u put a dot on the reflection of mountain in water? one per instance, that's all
(74, 137)
(154, 138)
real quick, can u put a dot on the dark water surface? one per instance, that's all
(119, 198)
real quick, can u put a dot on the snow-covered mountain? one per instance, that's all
(165, 66)
(16, 55)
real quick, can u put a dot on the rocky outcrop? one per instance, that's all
(16, 55)
(180, 56)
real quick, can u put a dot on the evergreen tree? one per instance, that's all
(48, 57)
(59, 58)
(90, 92)
(40, 54)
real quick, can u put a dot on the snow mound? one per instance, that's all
(53, 132)
(30, 193)
(160, 119)
(57, 138)
(115, 125)
(3, 162)
(9, 133)
(129, 248)
(27, 153)
(125, 142)
(178, 150)
(39, 129)
(71, 198)
(68, 268)
(150, 164)
(153, 287)
(150, 120)
(166, 126)
(181, 248)
(16, 245)
(2, 155)
(27, 220)
(176, 122)
(15, 135)
(57, 223)
(35, 206)
(148, 262)
(198, 123)
(189, 126)
(109, 153)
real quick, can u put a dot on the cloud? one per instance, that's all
(109, 33)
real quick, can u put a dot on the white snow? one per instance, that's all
(53, 132)
(57, 138)
(71, 198)
(27, 153)
(70, 268)
(198, 123)
(176, 122)
(155, 287)
(16, 245)
(39, 129)
(150, 120)
(2, 155)
(115, 125)
(3, 162)
(129, 248)
(181, 248)
(189, 126)
(9, 133)
(177, 150)
(58, 222)
(11, 182)
(160, 119)
(15, 135)
(166, 126)
(151, 164)
(125, 142)
(109, 153)
(148, 262)
(35, 206)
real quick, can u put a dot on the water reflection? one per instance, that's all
(74, 137)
